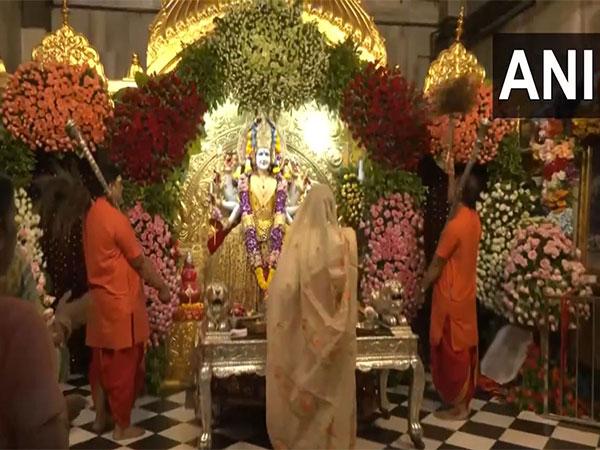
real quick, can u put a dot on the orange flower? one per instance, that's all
(39, 100)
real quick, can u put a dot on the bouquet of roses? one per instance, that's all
(159, 247)
(29, 235)
(543, 265)
(40, 99)
(152, 126)
(501, 210)
(387, 116)
(467, 129)
(557, 154)
(394, 237)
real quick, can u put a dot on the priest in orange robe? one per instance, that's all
(453, 335)
(117, 327)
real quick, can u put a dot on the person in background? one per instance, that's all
(117, 327)
(453, 334)
(33, 413)
(311, 324)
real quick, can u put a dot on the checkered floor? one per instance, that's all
(492, 425)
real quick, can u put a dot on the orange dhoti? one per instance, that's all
(120, 373)
(454, 372)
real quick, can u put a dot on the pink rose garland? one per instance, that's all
(543, 263)
(395, 247)
(159, 247)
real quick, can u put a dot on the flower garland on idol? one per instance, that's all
(248, 223)
(159, 246)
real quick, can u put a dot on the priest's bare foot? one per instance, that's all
(101, 421)
(123, 434)
(457, 413)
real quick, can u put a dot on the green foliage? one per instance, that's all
(349, 197)
(17, 161)
(262, 55)
(508, 165)
(380, 182)
(344, 64)
(157, 198)
(201, 66)
(156, 364)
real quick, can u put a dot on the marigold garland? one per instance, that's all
(388, 116)
(152, 126)
(40, 99)
(466, 131)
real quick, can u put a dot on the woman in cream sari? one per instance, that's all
(311, 332)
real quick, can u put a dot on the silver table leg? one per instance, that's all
(205, 442)
(415, 400)
(384, 402)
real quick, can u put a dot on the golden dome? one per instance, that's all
(67, 46)
(181, 22)
(3, 75)
(453, 63)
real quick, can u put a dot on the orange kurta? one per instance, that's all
(117, 314)
(454, 294)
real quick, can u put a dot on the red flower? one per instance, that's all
(387, 116)
(152, 126)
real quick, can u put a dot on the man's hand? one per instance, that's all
(164, 294)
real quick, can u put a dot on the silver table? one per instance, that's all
(223, 357)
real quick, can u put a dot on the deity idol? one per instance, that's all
(262, 196)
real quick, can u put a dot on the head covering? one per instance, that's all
(311, 323)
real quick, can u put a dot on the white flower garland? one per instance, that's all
(29, 234)
(500, 210)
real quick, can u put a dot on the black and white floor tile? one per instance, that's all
(492, 425)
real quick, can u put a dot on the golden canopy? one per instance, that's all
(181, 22)
(453, 63)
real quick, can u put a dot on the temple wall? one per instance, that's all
(572, 16)
(117, 28)
(10, 34)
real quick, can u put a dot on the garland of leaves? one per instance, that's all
(270, 60)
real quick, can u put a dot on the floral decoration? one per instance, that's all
(16, 159)
(543, 265)
(529, 395)
(158, 244)
(583, 128)
(501, 210)
(388, 116)
(264, 270)
(344, 64)
(350, 197)
(557, 154)
(271, 59)
(394, 234)
(40, 99)
(467, 129)
(152, 125)
(508, 164)
(29, 234)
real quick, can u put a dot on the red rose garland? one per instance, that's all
(467, 128)
(152, 126)
(387, 116)
(40, 99)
